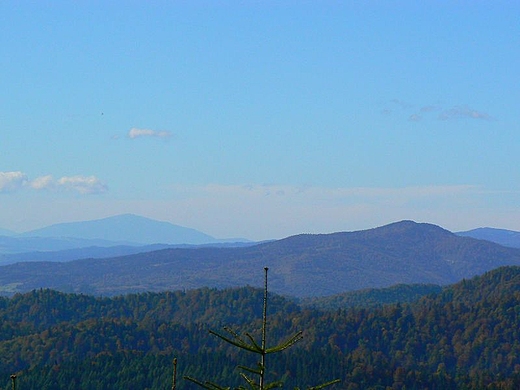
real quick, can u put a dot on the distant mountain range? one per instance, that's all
(133, 230)
(74, 253)
(9, 244)
(500, 236)
(125, 228)
(303, 266)
(127, 232)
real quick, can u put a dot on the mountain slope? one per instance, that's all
(503, 237)
(403, 252)
(126, 228)
(12, 245)
(5, 232)
(305, 265)
(75, 253)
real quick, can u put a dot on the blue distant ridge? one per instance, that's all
(125, 228)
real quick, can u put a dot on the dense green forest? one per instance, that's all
(400, 293)
(465, 336)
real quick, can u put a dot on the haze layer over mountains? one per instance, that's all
(303, 265)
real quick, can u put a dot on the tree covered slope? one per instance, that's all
(303, 265)
(464, 337)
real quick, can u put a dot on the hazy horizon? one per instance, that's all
(261, 119)
(224, 238)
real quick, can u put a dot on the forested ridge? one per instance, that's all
(304, 266)
(400, 293)
(466, 336)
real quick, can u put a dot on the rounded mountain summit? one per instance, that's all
(126, 228)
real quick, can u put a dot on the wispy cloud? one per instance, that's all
(275, 211)
(427, 111)
(430, 108)
(395, 105)
(13, 181)
(83, 184)
(464, 112)
(325, 195)
(280, 210)
(137, 133)
(401, 103)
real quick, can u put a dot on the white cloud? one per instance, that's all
(83, 184)
(43, 182)
(12, 181)
(136, 133)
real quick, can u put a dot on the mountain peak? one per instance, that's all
(410, 229)
(129, 228)
(409, 224)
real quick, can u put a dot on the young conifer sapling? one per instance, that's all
(255, 377)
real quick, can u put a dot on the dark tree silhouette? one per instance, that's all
(255, 377)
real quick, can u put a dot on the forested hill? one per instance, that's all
(303, 266)
(464, 337)
(401, 293)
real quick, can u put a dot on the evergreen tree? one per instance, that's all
(255, 377)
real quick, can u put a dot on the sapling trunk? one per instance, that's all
(264, 332)
(255, 377)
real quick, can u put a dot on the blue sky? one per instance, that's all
(261, 119)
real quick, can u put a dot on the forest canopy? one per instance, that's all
(466, 336)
